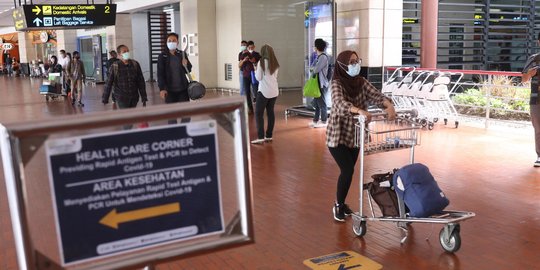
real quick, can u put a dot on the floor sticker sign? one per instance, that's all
(342, 261)
(128, 190)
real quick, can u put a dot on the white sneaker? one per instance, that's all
(312, 124)
(537, 162)
(258, 141)
(320, 125)
(267, 139)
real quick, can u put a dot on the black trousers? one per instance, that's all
(261, 105)
(126, 104)
(176, 97)
(345, 158)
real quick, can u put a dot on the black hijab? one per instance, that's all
(352, 85)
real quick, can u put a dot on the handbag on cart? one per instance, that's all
(383, 193)
(196, 90)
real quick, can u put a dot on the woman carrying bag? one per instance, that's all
(266, 73)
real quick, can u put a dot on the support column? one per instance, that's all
(429, 29)
(27, 50)
(198, 29)
(66, 40)
(121, 33)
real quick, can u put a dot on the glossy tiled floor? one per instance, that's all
(294, 178)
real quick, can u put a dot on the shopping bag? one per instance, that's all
(253, 78)
(311, 88)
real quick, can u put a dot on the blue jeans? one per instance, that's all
(250, 90)
(320, 107)
(242, 91)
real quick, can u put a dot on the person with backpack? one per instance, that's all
(126, 81)
(320, 67)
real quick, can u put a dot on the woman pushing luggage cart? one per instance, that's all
(381, 135)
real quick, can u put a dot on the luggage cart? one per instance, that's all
(382, 135)
(52, 88)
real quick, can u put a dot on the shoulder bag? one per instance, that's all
(196, 90)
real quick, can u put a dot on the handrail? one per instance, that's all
(464, 71)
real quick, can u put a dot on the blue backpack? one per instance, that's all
(416, 186)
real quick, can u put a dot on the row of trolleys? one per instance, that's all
(425, 92)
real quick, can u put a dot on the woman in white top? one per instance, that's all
(266, 74)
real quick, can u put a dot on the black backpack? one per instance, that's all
(331, 66)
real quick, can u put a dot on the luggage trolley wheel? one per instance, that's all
(457, 124)
(445, 121)
(452, 242)
(359, 226)
(430, 126)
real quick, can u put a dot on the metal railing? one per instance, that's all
(491, 95)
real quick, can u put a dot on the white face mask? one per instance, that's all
(125, 56)
(354, 70)
(172, 45)
(250, 51)
(242, 48)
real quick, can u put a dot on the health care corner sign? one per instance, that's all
(34, 17)
(128, 190)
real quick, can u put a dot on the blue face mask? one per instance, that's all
(353, 70)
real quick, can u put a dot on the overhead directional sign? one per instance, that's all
(28, 17)
(129, 190)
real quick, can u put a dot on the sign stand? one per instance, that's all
(125, 198)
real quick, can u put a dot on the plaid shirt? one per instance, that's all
(340, 129)
(126, 82)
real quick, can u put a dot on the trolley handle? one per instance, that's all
(379, 116)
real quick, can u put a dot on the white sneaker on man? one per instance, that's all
(312, 124)
(537, 162)
(321, 125)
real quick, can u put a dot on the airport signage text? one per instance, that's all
(34, 17)
(130, 190)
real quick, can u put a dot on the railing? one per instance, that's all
(491, 95)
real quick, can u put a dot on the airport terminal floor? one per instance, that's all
(488, 172)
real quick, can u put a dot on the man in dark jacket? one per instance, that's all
(171, 72)
(126, 80)
(110, 61)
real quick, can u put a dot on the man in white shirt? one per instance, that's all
(64, 60)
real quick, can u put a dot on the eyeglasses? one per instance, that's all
(353, 62)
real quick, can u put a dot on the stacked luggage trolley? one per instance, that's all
(382, 135)
(426, 91)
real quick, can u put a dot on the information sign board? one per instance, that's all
(28, 17)
(128, 190)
